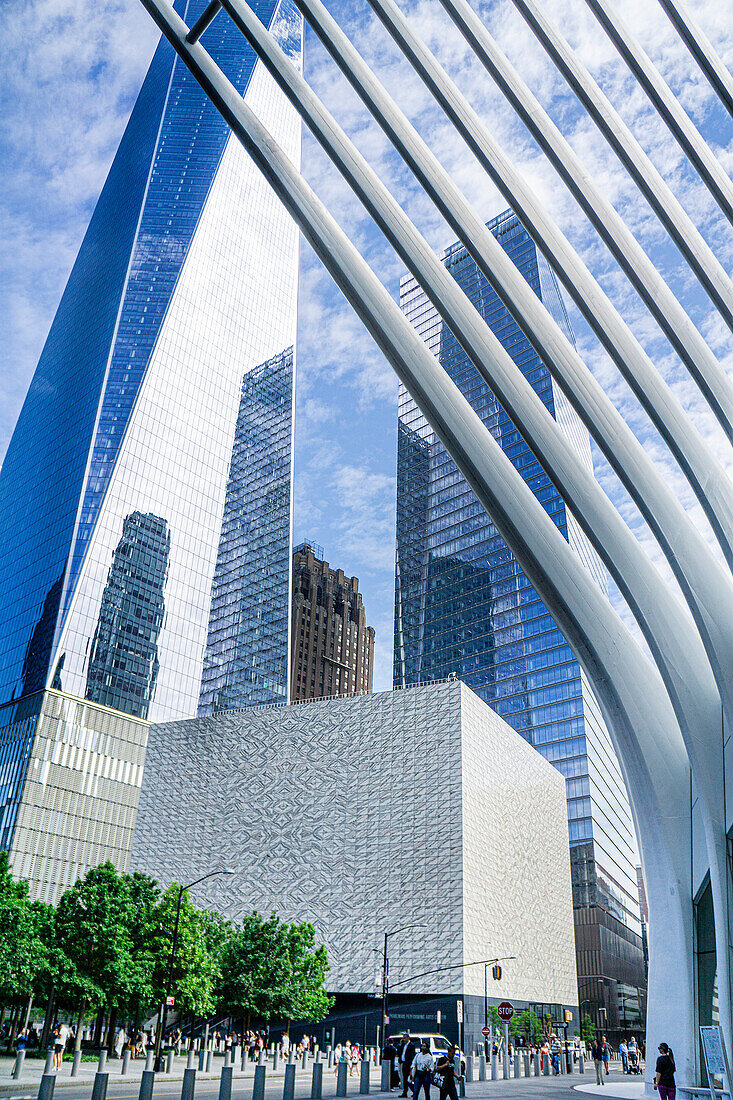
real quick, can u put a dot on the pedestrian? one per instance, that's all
(21, 1039)
(407, 1055)
(390, 1055)
(120, 1039)
(606, 1054)
(422, 1069)
(445, 1067)
(60, 1035)
(556, 1051)
(354, 1060)
(624, 1052)
(597, 1055)
(664, 1074)
(285, 1044)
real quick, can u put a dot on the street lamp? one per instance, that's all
(385, 975)
(171, 962)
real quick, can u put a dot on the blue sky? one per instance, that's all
(72, 69)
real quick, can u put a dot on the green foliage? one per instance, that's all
(196, 968)
(588, 1029)
(495, 1020)
(270, 969)
(526, 1024)
(23, 950)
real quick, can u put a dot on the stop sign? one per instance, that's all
(506, 1011)
(486, 1031)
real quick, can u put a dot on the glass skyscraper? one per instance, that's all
(463, 605)
(113, 489)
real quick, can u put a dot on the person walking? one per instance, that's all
(60, 1035)
(606, 1054)
(664, 1074)
(445, 1066)
(406, 1057)
(423, 1067)
(597, 1055)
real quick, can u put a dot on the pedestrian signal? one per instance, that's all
(496, 972)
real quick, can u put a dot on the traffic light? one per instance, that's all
(496, 972)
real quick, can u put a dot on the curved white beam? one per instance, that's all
(702, 49)
(628, 687)
(707, 372)
(676, 119)
(696, 251)
(709, 480)
(675, 644)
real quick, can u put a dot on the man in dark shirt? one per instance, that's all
(407, 1057)
(445, 1066)
(664, 1076)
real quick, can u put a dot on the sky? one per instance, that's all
(72, 69)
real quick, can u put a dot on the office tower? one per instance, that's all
(113, 488)
(464, 606)
(246, 661)
(332, 646)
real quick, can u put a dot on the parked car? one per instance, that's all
(437, 1044)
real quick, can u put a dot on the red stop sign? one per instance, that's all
(506, 1011)
(486, 1031)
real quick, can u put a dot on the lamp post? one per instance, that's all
(385, 975)
(171, 961)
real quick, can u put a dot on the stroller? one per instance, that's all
(634, 1066)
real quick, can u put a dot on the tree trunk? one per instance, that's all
(48, 1019)
(79, 1025)
(111, 1028)
(28, 1009)
(99, 1024)
(105, 1028)
(15, 1024)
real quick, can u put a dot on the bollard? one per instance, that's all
(517, 1071)
(460, 1079)
(482, 1067)
(317, 1083)
(18, 1067)
(146, 1085)
(304, 1062)
(125, 1069)
(169, 1061)
(261, 1059)
(330, 1057)
(48, 1083)
(202, 1060)
(536, 1063)
(341, 1071)
(209, 1056)
(225, 1085)
(494, 1068)
(258, 1089)
(471, 1072)
(364, 1082)
(190, 1058)
(101, 1068)
(99, 1089)
(289, 1082)
(386, 1085)
(291, 1055)
(525, 1059)
(227, 1058)
(150, 1060)
(546, 1065)
(505, 1066)
(76, 1063)
(189, 1084)
(581, 1064)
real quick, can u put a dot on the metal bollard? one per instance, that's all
(99, 1089)
(304, 1061)
(202, 1060)
(146, 1084)
(102, 1061)
(330, 1057)
(45, 1089)
(18, 1067)
(482, 1067)
(125, 1068)
(469, 1069)
(317, 1083)
(258, 1089)
(364, 1082)
(150, 1060)
(494, 1068)
(274, 1059)
(505, 1067)
(261, 1059)
(536, 1063)
(546, 1065)
(209, 1056)
(190, 1058)
(517, 1071)
(189, 1084)
(76, 1063)
(525, 1059)
(386, 1085)
(460, 1079)
(289, 1082)
(291, 1055)
(227, 1058)
(169, 1061)
(225, 1085)
(341, 1079)
(581, 1064)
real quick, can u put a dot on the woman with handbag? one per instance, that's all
(445, 1073)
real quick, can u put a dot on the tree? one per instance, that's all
(527, 1024)
(270, 969)
(588, 1030)
(23, 953)
(495, 1020)
(195, 968)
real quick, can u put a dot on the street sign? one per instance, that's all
(486, 1031)
(459, 1011)
(506, 1011)
(170, 1001)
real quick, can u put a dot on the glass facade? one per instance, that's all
(246, 661)
(113, 488)
(464, 605)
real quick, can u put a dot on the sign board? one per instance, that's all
(486, 1031)
(716, 1059)
(459, 1011)
(506, 1011)
(170, 1001)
